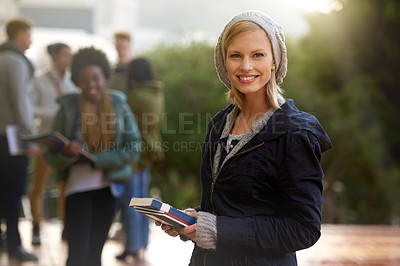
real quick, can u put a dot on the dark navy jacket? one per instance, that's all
(268, 197)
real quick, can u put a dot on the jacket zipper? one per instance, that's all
(214, 181)
(205, 258)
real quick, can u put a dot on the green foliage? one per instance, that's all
(193, 95)
(345, 71)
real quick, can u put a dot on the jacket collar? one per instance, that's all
(286, 119)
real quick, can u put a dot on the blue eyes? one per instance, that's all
(256, 55)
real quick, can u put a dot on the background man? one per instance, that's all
(123, 45)
(16, 84)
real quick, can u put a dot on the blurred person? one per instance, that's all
(146, 99)
(261, 172)
(118, 81)
(99, 121)
(47, 87)
(123, 45)
(16, 72)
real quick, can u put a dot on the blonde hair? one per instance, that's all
(122, 35)
(273, 91)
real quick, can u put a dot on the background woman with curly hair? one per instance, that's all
(98, 121)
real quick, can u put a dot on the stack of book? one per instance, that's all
(162, 212)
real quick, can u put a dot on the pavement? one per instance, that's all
(370, 245)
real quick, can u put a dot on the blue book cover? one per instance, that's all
(162, 212)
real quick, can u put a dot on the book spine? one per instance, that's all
(176, 218)
(157, 204)
(182, 216)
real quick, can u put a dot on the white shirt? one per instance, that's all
(45, 94)
(82, 178)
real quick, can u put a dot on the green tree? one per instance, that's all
(346, 70)
(193, 95)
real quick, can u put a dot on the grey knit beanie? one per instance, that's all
(275, 35)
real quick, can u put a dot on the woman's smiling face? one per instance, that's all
(249, 61)
(92, 82)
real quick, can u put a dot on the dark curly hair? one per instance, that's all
(89, 56)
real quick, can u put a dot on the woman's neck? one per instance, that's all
(254, 107)
(95, 104)
(59, 73)
(247, 116)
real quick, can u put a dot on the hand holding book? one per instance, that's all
(188, 231)
(72, 149)
(162, 212)
(55, 141)
(32, 151)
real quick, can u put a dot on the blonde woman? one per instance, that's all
(261, 174)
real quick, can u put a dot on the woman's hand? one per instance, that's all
(72, 149)
(32, 151)
(189, 231)
(168, 229)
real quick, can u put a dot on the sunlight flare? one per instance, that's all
(324, 6)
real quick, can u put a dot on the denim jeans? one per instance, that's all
(136, 225)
